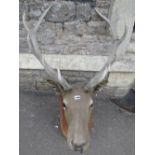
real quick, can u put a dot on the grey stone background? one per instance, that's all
(70, 27)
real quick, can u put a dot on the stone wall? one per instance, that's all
(71, 27)
(36, 80)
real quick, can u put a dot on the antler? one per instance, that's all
(34, 47)
(103, 74)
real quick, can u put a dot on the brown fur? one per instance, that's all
(63, 122)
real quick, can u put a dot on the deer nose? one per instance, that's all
(78, 146)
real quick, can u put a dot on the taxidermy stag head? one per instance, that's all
(76, 101)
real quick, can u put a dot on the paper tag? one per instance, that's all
(77, 97)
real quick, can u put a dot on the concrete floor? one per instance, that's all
(112, 132)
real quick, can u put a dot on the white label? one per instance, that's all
(77, 97)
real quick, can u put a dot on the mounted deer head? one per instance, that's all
(76, 102)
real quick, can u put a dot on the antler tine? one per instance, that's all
(106, 19)
(103, 74)
(34, 47)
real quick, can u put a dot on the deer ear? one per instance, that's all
(57, 86)
(50, 81)
(98, 87)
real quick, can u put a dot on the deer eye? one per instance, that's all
(64, 106)
(91, 106)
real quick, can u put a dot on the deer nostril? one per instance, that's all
(78, 147)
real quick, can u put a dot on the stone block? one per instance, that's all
(27, 85)
(83, 11)
(118, 84)
(70, 39)
(29, 75)
(121, 79)
(35, 11)
(44, 86)
(95, 28)
(59, 30)
(75, 27)
(131, 47)
(96, 17)
(46, 33)
(61, 11)
(103, 3)
(23, 46)
(114, 91)
(33, 8)
(53, 48)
